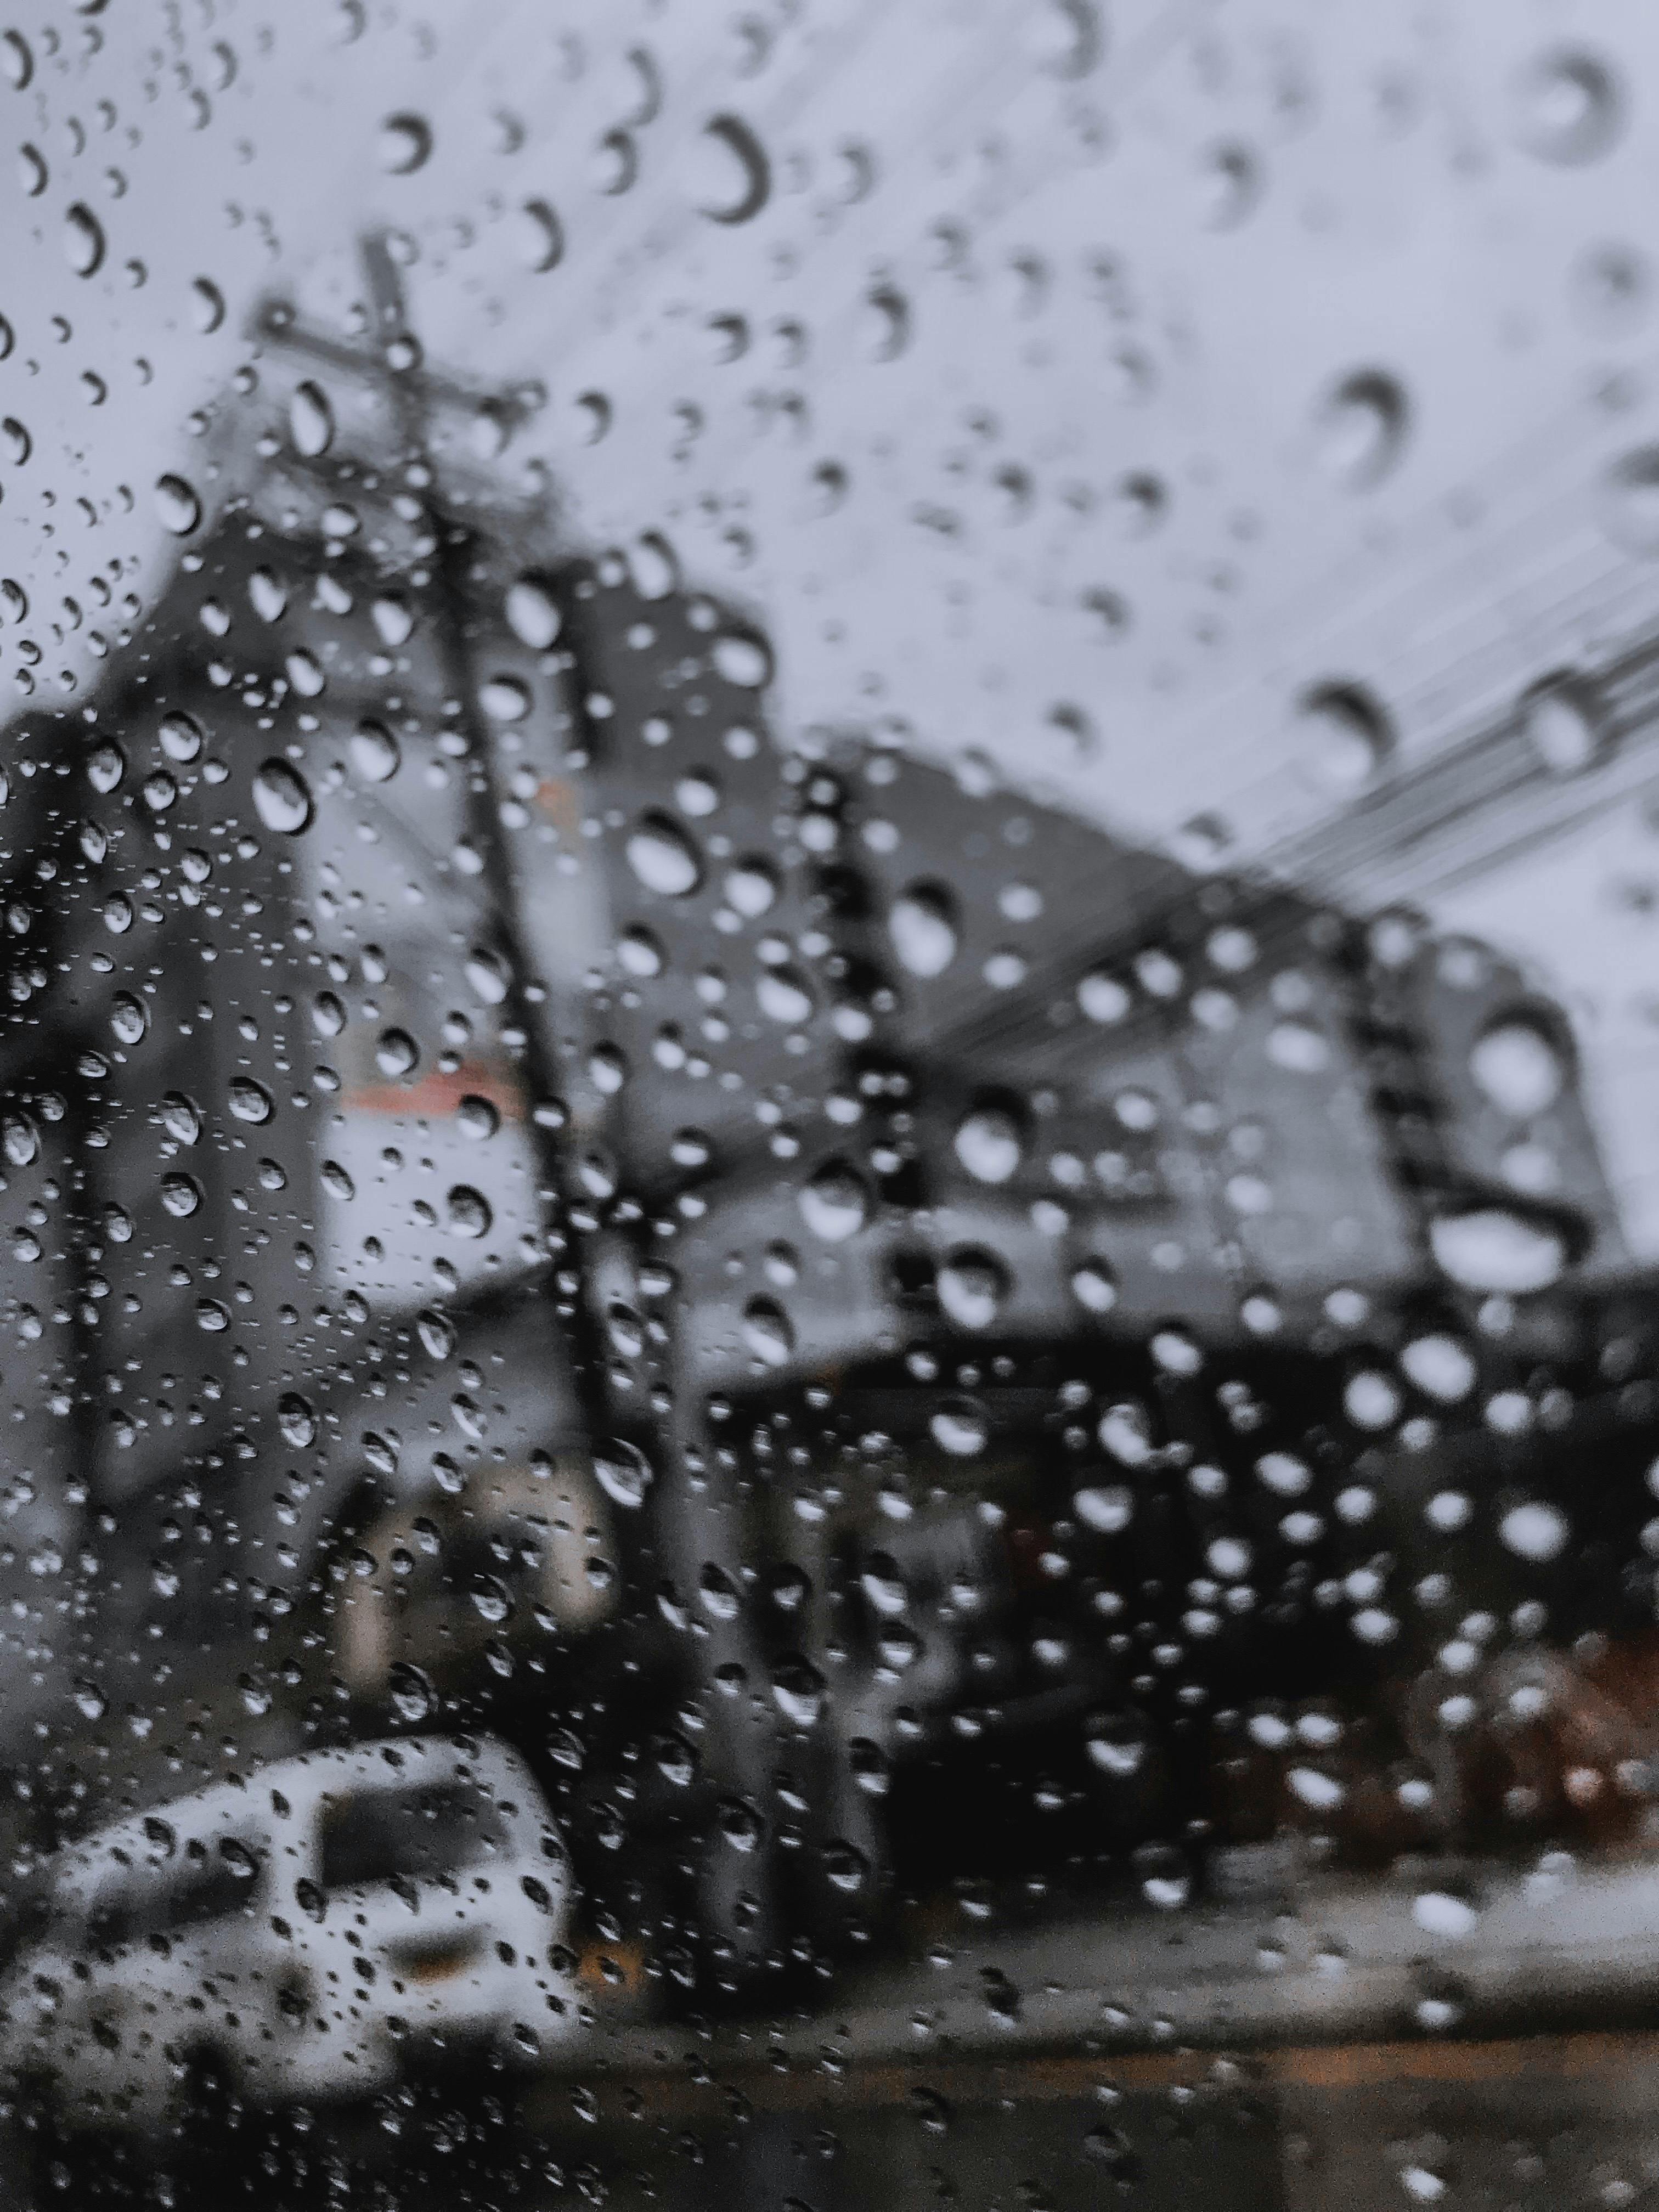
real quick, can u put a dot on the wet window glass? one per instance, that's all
(829, 1027)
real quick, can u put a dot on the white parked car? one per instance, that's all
(304, 1936)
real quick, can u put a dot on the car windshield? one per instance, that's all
(436, 1828)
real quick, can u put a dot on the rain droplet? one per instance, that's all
(282, 798)
(768, 1332)
(1361, 428)
(1569, 108)
(20, 1139)
(622, 1471)
(537, 237)
(211, 1315)
(923, 932)
(739, 181)
(129, 1018)
(180, 1194)
(311, 420)
(664, 858)
(374, 753)
(504, 698)
(1630, 500)
(1563, 721)
(180, 1119)
(16, 59)
(476, 1117)
(397, 1051)
(972, 1286)
(961, 1427)
(835, 1203)
(1494, 1250)
(469, 1212)
(1343, 738)
(250, 1101)
(1229, 185)
(1518, 1068)
(106, 766)
(177, 505)
(1534, 1531)
(207, 305)
(181, 737)
(533, 614)
(83, 241)
(404, 144)
(489, 975)
(745, 662)
(410, 1693)
(91, 1700)
(988, 1144)
(296, 1419)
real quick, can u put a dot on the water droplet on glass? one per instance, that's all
(1519, 1068)
(250, 1101)
(180, 1119)
(1534, 1531)
(374, 753)
(768, 1332)
(504, 698)
(405, 142)
(181, 737)
(988, 1144)
(533, 614)
(664, 858)
(469, 1212)
(207, 305)
(961, 1427)
(489, 976)
(745, 662)
(1569, 108)
(129, 1018)
(923, 932)
(83, 240)
(972, 1286)
(834, 1203)
(622, 1471)
(736, 181)
(396, 1053)
(282, 798)
(1342, 739)
(1494, 1250)
(1361, 428)
(177, 505)
(311, 420)
(537, 237)
(476, 1117)
(409, 1692)
(106, 766)
(1563, 721)
(180, 1194)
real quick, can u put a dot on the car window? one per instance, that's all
(436, 1828)
(216, 1880)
